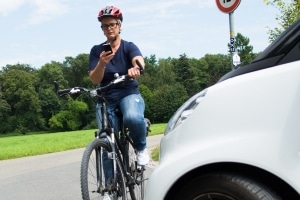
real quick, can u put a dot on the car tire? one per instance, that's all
(224, 186)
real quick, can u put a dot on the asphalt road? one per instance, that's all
(49, 177)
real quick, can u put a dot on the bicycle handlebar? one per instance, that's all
(93, 92)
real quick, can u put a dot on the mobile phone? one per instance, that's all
(107, 47)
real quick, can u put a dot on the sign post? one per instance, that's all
(228, 6)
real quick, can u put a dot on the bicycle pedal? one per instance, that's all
(130, 180)
(140, 168)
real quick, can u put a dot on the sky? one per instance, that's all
(36, 32)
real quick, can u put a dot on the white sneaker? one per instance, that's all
(142, 157)
(106, 196)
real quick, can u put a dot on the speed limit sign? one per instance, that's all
(227, 6)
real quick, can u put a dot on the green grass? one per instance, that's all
(157, 129)
(155, 154)
(16, 146)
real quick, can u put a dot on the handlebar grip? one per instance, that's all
(140, 66)
(63, 92)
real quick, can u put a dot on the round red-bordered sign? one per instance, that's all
(227, 6)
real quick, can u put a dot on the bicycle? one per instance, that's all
(117, 147)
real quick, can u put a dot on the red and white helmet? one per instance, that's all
(110, 11)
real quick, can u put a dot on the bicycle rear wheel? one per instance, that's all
(95, 179)
(136, 186)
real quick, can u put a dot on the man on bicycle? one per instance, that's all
(122, 60)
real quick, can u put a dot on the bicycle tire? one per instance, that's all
(136, 188)
(93, 187)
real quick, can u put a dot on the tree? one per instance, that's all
(50, 102)
(165, 74)
(51, 72)
(218, 65)
(186, 75)
(75, 70)
(19, 90)
(4, 113)
(69, 119)
(289, 13)
(147, 96)
(151, 64)
(150, 72)
(199, 68)
(166, 100)
(22, 67)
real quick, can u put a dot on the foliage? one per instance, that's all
(151, 65)
(76, 69)
(186, 75)
(166, 100)
(147, 96)
(217, 66)
(23, 106)
(28, 99)
(4, 108)
(289, 13)
(68, 119)
(51, 72)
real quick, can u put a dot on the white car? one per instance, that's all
(240, 138)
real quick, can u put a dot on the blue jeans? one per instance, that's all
(132, 108)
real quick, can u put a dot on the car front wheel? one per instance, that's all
(224, 186)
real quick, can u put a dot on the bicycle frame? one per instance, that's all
(118, 143)
(112, 137)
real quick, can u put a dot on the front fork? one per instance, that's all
(112, 155)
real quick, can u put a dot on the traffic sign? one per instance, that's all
(236, 60)
(227, 6)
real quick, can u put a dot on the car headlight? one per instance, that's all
(184, 111)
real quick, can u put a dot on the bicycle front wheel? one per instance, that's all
(96, 175)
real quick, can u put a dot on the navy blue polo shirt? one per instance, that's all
(120, 64)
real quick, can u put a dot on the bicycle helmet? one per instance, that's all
(110, 11)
